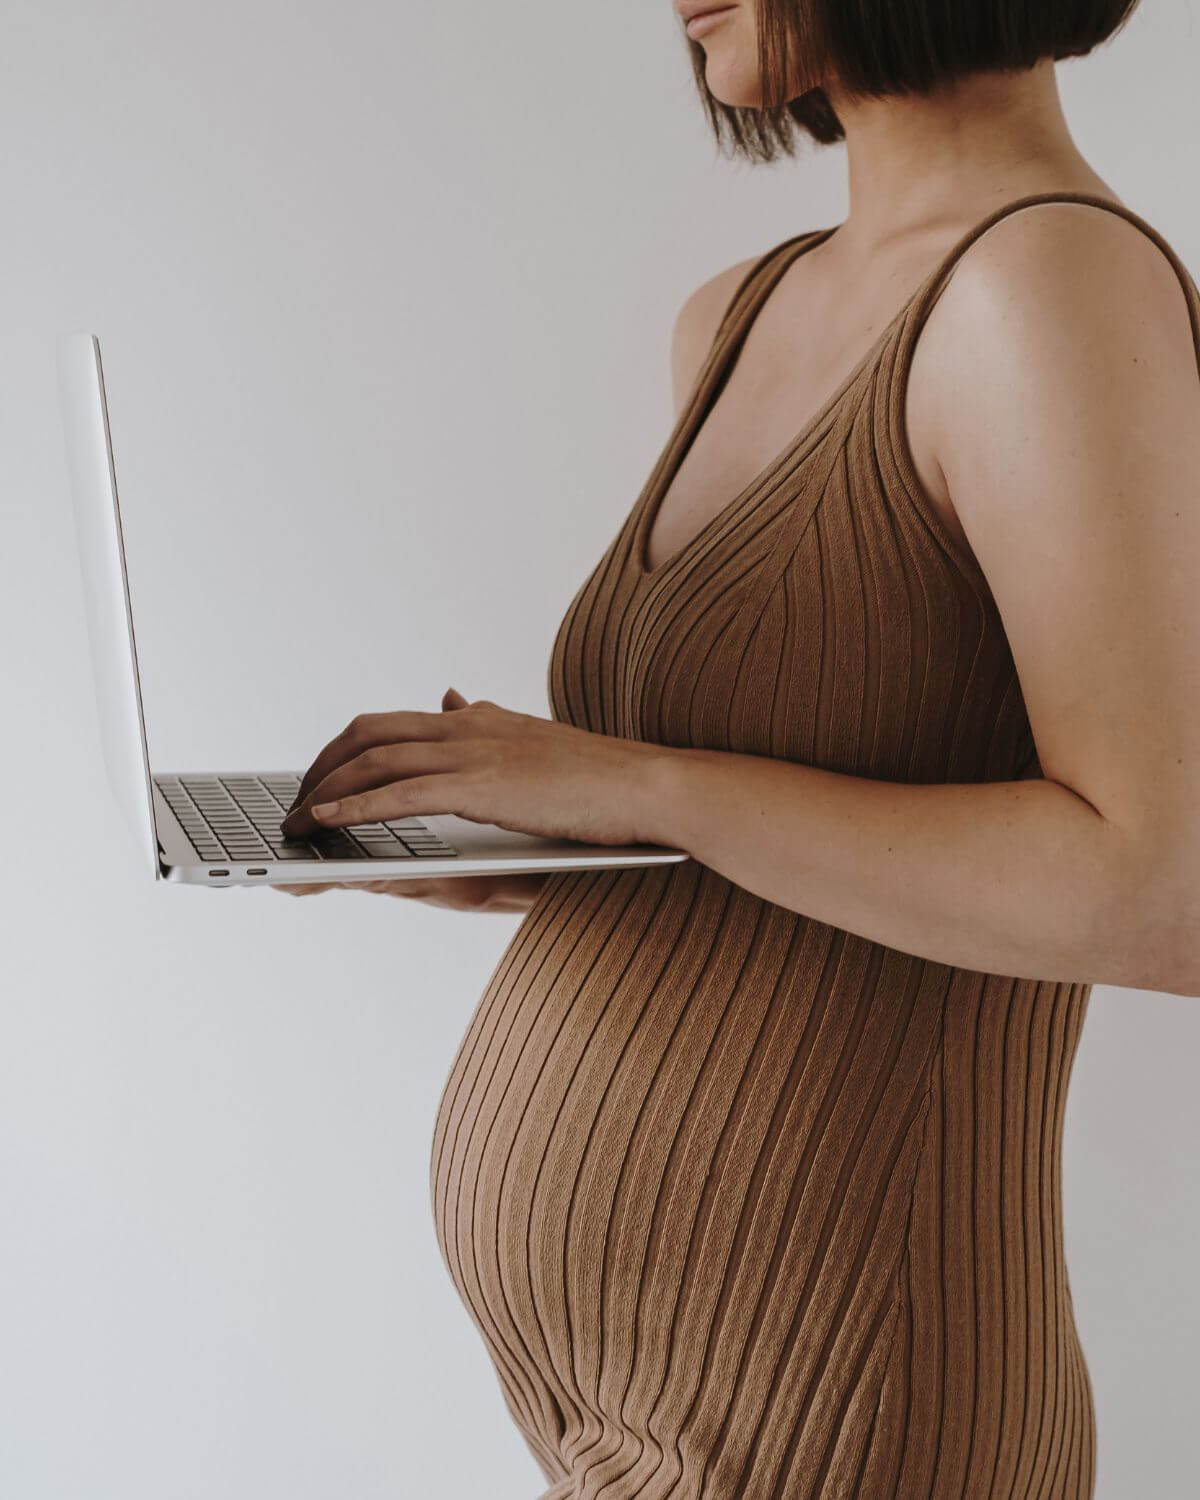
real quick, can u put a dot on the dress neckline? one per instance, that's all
(706, 389)
(722, 357)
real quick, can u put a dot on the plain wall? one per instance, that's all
(385, 296)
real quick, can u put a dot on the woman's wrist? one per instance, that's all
(663, 794)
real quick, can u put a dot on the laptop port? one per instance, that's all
(212, 874)
(256, 872)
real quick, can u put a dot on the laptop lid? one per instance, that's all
(105, 586)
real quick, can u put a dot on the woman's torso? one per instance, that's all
(743, 1203)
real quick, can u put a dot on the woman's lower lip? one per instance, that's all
(698, 25)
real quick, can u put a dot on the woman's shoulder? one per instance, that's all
(1063, 298)
(699, 319)
(697, 323)
(1049, 261)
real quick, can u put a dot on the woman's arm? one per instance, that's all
(1066, 420)
(1063, 365)
(1023, 878)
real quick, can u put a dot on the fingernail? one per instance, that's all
(325, 810)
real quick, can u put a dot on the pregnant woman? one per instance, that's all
(748, 1167)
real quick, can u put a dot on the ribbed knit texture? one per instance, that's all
(745, 1206)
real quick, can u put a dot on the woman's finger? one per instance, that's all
(461, 702)
(414, 796)
(374, 768)
(365, 732)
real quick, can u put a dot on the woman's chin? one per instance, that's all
(732, 86)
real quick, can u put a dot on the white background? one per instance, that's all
(385, 295)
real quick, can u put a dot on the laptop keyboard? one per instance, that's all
(237, 818)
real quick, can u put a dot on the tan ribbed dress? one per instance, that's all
(743, 1204)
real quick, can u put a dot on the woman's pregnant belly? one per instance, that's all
(671, 1174)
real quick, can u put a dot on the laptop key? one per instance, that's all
(239, 818)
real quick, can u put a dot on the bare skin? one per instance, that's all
(503, 893)
(459, 893)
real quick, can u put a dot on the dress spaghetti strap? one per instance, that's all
(891, 439)
(936, 282)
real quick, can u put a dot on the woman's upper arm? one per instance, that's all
(1063, 369)
(696, 325)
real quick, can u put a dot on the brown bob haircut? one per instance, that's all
(879, 47)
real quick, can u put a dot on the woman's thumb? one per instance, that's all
(452, 698)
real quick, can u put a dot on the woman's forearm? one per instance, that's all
(1023, 878)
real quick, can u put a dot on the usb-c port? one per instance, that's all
(256, 872)
(212, 874)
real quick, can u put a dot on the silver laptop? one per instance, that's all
(222, 828)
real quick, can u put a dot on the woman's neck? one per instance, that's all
(918, 162)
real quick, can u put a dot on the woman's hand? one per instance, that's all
(507, 893)
(487, 764)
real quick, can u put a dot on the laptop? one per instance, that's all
(221, 828)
